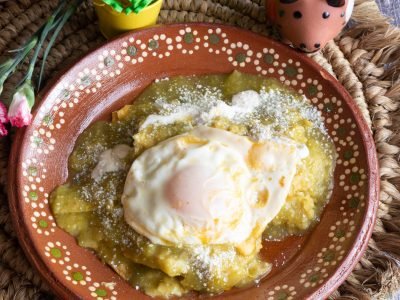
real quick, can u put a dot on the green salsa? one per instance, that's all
(92, 212)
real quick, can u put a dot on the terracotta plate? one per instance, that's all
(113, 75)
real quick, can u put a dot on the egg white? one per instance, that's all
(243, 185)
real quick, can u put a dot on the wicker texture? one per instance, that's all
(364, 59)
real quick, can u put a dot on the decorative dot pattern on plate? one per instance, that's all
(103, 291)
(77, 274)
(57, 253)
(122, 58)
(283, 292)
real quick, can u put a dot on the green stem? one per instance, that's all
(43, 32)
(20, 57)
(54, 15)
(4, 74)
(58, 25)
(6, 65)
(10, 65)
(37, 33)
(34, 58)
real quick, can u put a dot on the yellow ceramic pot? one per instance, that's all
(113, 23)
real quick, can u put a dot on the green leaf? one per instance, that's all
(6, 65)
(46, 29)
(136, 5)
(21, 57)
(140, 5)
(116, 5)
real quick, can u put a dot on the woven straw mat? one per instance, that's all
(365, 59)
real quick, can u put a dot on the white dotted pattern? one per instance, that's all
(265, 61)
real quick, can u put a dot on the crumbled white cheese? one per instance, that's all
(203, 104)
(111, 160)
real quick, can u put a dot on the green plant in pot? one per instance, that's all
(116, 16)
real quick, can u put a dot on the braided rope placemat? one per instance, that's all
(365, 59)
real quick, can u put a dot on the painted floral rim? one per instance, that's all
(356, 177)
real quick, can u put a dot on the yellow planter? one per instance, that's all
(113, 23)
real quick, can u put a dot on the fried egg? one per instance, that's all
(209, 186)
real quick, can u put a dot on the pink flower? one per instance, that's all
(3, 119)
(3, 113)
(19, 112)
(3, 130)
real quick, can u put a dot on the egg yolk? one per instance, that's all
(185, 191)
(209, 186)
(196, 193)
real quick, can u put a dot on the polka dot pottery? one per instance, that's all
(311, 266)
(309, 24)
